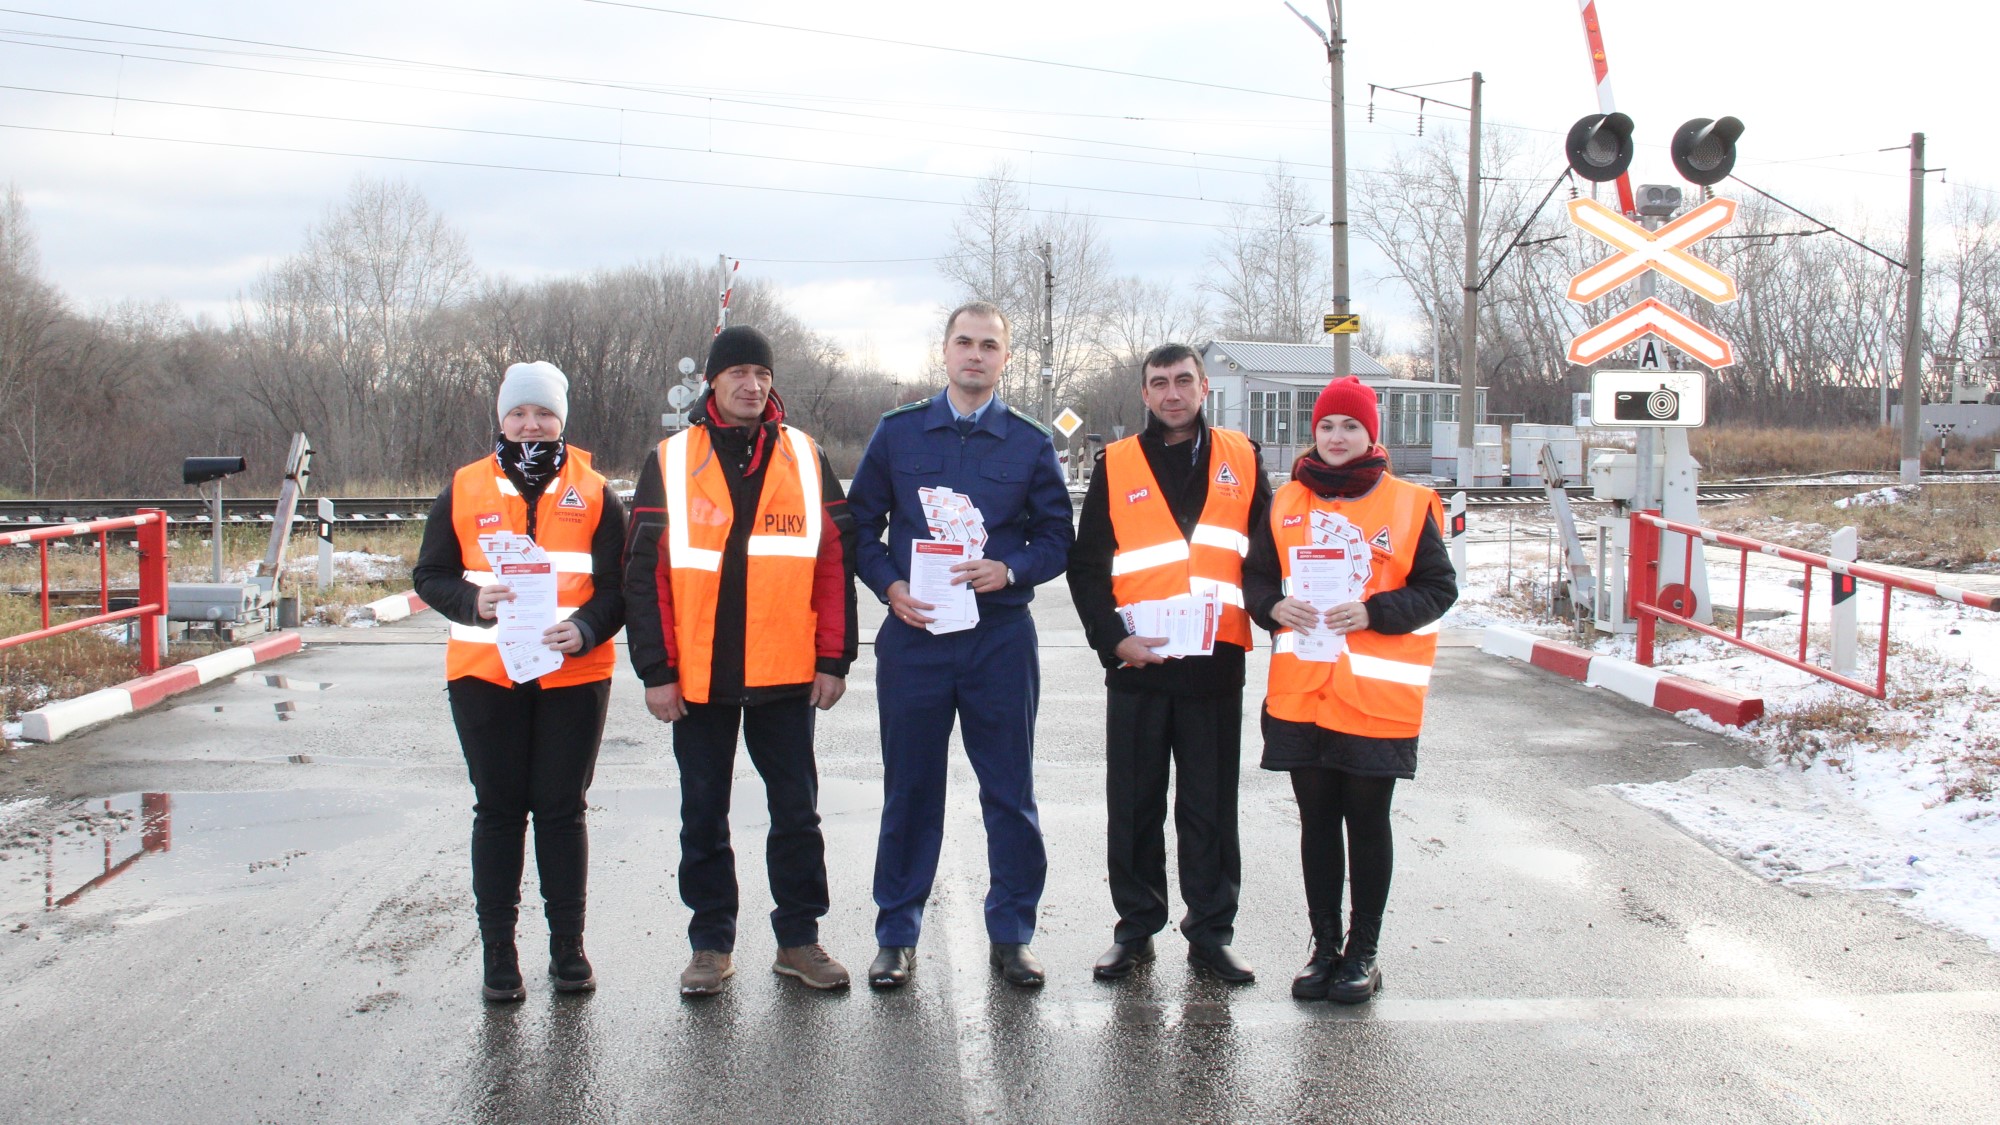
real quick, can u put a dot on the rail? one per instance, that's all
(1651, 604)
(151, 525)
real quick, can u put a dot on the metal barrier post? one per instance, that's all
(1642, 581)
(325, 543)
(1455, 516)
(1846, 545)
(152, 588)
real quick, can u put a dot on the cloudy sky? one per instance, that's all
(172, 151)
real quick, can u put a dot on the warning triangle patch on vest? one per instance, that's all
(1225, 475)
(574, 499)
(1381, 541)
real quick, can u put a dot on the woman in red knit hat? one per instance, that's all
(1350, 574)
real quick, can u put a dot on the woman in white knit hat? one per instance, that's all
(529, 716)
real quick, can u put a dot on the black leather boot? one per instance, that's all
(1313, 981)
(568, 965)
(1357, 979)
(503, 972)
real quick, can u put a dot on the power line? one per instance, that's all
(950, 50)
(495, 166)
(616, 144)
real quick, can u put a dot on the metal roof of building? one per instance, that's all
(1257, 357)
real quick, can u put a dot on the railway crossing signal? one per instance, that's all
(1704, 151)
(1650, 317)
(1599, 146)
(1638, 250)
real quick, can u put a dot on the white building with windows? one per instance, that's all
(1268, 391)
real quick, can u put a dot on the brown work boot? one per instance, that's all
(812, 965)
(707, 973)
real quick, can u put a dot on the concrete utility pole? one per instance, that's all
(1468, 329)
(1343, 353)
(1913, 319)
(1048, 335)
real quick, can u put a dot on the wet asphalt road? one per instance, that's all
(289, 937)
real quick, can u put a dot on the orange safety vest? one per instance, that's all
(1153, 560)
(780, 623)
(1376, 687)
(483, 500)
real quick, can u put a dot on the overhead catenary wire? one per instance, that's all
(1823, 224)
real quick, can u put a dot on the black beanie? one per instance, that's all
(738, 344)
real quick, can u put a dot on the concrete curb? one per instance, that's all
(1635, 682)
(56, 721)
(395, 607)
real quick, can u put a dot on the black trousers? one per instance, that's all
(1200, 738)
(779, 736)
(1328, 800)
(529, 749)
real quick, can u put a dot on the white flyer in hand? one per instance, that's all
(1189, 623)
(954, 606)
(1325, 577)
(953, 518)
(533, 609)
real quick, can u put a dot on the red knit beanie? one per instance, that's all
(1349, 396)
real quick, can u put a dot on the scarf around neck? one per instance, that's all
(530, 465)
(1346, 481)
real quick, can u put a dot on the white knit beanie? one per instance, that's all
(540, 383)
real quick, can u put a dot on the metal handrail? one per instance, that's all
(1645, 592)
(151, 524)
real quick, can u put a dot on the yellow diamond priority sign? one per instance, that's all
(1068, 422)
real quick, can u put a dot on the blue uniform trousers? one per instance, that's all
(989, 678)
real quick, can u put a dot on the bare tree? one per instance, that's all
(30, 312)
(1267, 274)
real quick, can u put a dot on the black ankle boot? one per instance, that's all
(503, 972)
(1357, 979)
(1313, 981)
(568, 965)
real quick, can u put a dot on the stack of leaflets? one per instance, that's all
(1332, 572)
(1188, 622)
(958, 534)
(524, 568)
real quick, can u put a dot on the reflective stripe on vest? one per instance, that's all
(780, 625)
(1153, 560)
(482, 501)
(1377, 687)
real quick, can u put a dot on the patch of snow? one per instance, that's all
(1879, 498)
(1901, 796)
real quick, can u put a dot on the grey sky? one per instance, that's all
(654, 98)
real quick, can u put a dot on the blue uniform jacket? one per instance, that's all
(1007, 465)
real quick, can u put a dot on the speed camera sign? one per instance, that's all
(1648, 398)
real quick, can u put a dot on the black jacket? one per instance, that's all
(1182, 473)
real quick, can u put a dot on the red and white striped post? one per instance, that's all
(1600, 69)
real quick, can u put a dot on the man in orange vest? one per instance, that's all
(740, 578)
(1168, 515)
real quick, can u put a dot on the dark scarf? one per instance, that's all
(530, 465)
(1346, 481)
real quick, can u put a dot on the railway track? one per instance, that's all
(377, 513)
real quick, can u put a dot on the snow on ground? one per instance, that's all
(1900, 796)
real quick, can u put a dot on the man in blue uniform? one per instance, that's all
(988, 676)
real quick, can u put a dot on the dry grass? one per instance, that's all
(88, 659)
(1728, 452)
(63, 667)
(1940, 527)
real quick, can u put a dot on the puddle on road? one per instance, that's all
(147, 854)
(158, 848)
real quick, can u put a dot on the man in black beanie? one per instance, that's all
(740, 571)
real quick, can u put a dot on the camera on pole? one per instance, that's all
(1704, 151)
(1600, 146)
